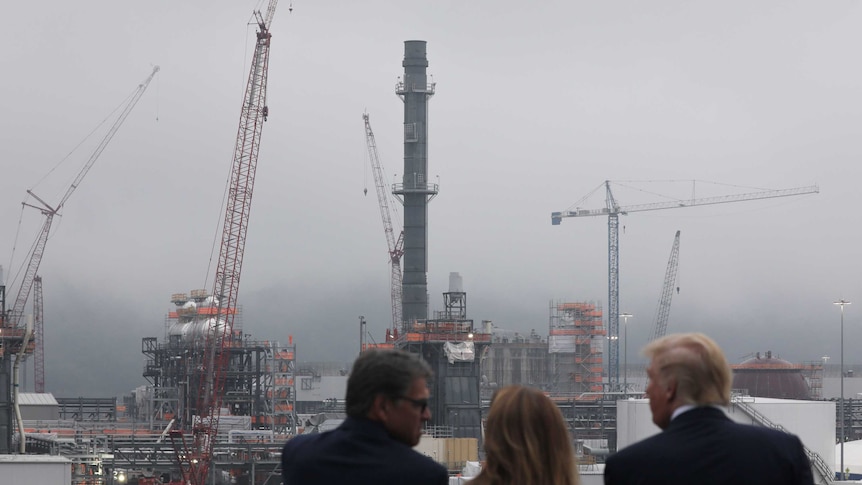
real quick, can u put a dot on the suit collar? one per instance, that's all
(698, 413)
(365, 426)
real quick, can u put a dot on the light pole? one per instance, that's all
(626, 317)
(842, 302)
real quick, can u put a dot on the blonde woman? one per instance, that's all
(526, 441)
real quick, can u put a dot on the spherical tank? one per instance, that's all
(769, 376)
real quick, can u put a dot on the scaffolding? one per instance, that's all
(575, 340)
(812, 371)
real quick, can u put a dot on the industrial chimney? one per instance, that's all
(414, 191)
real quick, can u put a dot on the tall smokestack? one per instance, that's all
(414, 189)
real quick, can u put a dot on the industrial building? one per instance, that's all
(259, 383)
(513, 358)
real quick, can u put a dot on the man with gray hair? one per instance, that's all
(689, 382)
(387, 404)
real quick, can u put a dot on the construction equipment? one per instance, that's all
(663, 311)
(38, 249)
(39, 324)
(613, 210)
(396, 245)
(195, 458)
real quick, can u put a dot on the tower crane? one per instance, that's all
(38, 248)
(613, 210)
(396, 245)
(195, 458)
(663, 311)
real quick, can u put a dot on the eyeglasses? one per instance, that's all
(421, 404)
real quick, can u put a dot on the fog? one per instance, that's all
(536, 106)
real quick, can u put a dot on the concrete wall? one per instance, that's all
(35, 469)
(320, 388)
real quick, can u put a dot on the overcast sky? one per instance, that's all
(536, 105)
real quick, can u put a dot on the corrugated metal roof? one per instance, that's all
(37, 399)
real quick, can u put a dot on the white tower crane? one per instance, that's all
(613, 210)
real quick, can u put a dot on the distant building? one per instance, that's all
(516, 359)
(766, 375)
(38, 406)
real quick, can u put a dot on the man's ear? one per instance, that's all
(379, 408)
(670, 390)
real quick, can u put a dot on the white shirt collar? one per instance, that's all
(688, 407)
(681, 409)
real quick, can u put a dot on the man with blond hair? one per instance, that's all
(689, 383)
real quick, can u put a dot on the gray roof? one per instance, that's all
(37, 399)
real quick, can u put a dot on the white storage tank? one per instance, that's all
(812, 421)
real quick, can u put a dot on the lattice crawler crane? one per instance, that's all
(195, 457)
(396, 245)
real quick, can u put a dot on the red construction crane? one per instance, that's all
(195, 458)
(38, 249)
(396, 245)
(39, 324)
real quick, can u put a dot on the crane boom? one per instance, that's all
(195, 462)
(663, 311)
(613, 210)
(396, 246)
(38, 248)
(764, 194)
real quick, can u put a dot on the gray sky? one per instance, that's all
(536, 105)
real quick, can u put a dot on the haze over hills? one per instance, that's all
(535, 107)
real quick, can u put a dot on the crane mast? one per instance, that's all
(396, 246)
(663, 311)
(613, 210)
(195, 460)
(38, 248)
(39, 324)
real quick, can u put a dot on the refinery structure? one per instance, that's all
(218, 403)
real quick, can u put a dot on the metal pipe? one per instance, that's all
(28, 332)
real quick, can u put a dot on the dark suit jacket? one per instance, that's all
(359, 452)
(705, 447)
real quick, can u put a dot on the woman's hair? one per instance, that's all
(526, 441)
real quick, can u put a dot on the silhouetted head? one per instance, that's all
(390, 386)
(685, 368)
